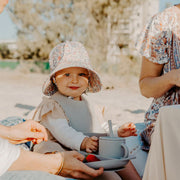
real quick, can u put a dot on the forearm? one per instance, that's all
(4, 132)
(33, 161)
(65, 134)
(156, 86)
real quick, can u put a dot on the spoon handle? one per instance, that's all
(110, 128)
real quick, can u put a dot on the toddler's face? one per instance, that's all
(72, 81)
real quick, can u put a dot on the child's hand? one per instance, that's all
(127, 129)
(90, 144)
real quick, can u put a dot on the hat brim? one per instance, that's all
(49, 88)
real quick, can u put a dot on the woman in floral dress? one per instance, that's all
(159, 45)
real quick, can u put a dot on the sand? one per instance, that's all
(20, 93)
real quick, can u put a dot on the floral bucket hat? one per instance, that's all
(70, 54)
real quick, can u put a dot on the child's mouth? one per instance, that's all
(73, 87)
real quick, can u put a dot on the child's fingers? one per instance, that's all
(92, 147)
(88, 150)
(94, 138)
(131, 125)
(134, 134)
(134, 130)
(128, 126)
(94, 143)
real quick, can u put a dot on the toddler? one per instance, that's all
(68, 113)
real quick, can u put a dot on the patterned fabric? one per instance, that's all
(159, 43)
(11, 121)
(146, 137)
(70, 54)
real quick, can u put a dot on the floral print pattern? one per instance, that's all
(160, 43)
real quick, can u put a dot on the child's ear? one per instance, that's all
(54, 80)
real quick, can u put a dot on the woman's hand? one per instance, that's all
(90, 144)
(27, 131)
(75, 168)
(127, 129)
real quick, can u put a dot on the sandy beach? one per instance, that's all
(20, 93)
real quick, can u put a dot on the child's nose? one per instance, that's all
(74, 78)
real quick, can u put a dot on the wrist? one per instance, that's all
(57, 163)
(61, 163)
(83, 144)
(5, 132)
(59, 166)
(171, 77)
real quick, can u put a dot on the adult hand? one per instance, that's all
(74, 167)
(27, 131)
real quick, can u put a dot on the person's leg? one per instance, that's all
(109, 176)
(129, 173)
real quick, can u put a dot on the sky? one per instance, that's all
(164, 2)
(8, 29)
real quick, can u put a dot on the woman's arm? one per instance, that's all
(4, 131)
(152, 83)
(72, 165)
(34, 161)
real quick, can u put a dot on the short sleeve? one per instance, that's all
(47, 106)
(154, 41)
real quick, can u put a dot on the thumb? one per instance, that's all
(79, 156)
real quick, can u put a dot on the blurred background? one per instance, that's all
(29, 29)
(108, 29)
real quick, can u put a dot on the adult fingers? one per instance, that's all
(82, 170)
(80, 175)
(37, 141)
(18, 141)
(39, 128)
(91, 172)
(35, 135)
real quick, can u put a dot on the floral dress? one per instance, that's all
(160, 43)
